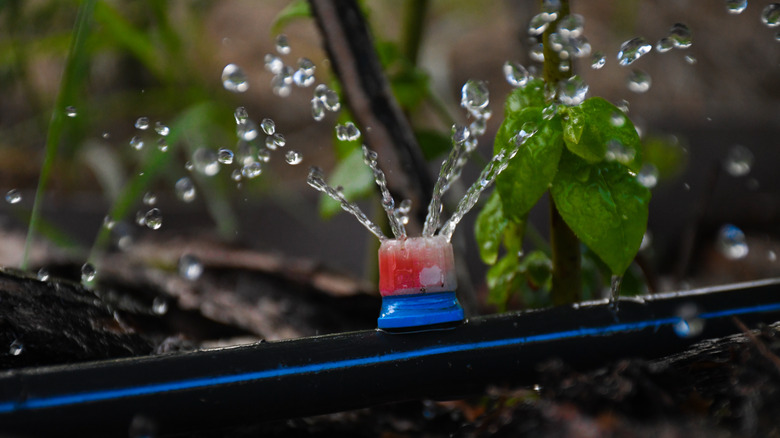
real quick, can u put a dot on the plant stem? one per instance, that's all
(414, 18)
(72, 78)
(566, 271)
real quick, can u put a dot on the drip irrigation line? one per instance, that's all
(235, 386)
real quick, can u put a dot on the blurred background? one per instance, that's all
(710, 124)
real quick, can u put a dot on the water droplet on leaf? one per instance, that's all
(70, 111)
(234, 79)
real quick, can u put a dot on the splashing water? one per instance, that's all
(388, 204)
(317, 181)
(447, 175)
(572, 91)
(632, 50)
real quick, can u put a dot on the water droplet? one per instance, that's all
(304, 76)
(234, 79)
(282, 45)
(108, 223)
(263, 155)
(273, 63)
(70, 111)
(241, 115)
(777, 36)
(551, 7)
(474, 96)
(16, 348)
(460, 134)
(689, 324)
(537, 52)
(279, 140)
(617, 151)
(664, 45)
(617, 119)
(347, 132)
(185, 189)
(638, 81)
(13, 196)
(88, 273)
(190, 267)
(137, 143)
(251, 170)
(515, 74)
(43, 274)
(225, 156)
(160, 306)
(771, 256)
(736, 6)
(161, 129)
(478, 127)
(162, 145)
(268, 126)
(570, 26)
(681, 36)
(770, 16)
(572, 91)
(106, 135)
(331, 100)
(731, 242)
(205, 161)
(153, 219)
(149, 199)
(279, 86)
(293, 157)
(317, 109)
(648, 175)
(247, 131)
(598, 61)
(632, 50)
(647, 240)
(690, 59)
(142, 123)
(236, 175)
(738, 161)
(539, 23)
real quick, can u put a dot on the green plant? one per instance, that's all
(585, 154)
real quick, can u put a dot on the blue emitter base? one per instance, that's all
(402, 311)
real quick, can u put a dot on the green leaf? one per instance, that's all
(531, 171)
(489, 229)
(504, 278)
(604, 205)
(591, 127)
(410, 86)
(532, 95)
(537, 267)
(295, 10)
(354, 177)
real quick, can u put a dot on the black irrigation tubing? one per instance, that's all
(243, 385)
